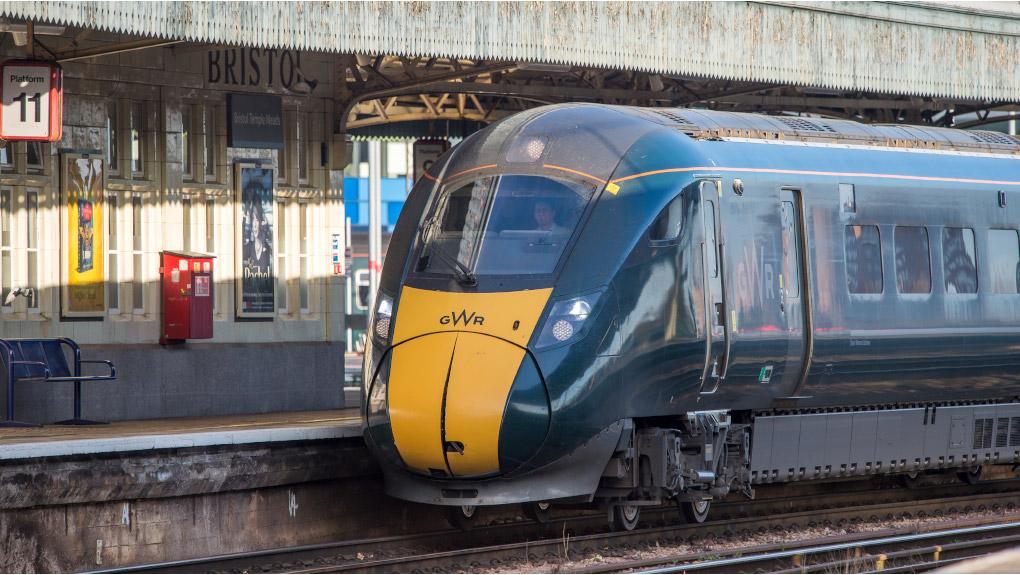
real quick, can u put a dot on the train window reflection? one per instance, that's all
(791, 250)
(913, 260)
(959, 260)
(1004, 260)
(863, 259)
(508, 224)
(713, 243)
(669, 222)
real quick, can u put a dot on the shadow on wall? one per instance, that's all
(183, 380)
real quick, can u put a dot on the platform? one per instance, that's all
(176, 433)
(90, 497)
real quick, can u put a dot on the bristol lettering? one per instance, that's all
(255, 67)
(462, 318)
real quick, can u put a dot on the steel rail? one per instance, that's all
(466, 559)
(728, 564)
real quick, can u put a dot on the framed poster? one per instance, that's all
(81, 188)
(255, 237)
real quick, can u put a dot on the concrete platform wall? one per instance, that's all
(194, 380)
(94, 512)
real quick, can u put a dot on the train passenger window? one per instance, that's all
(669, 222)
(913, 260)
(791, 251)
(863, 259)
(959, 260)
(1004, 260)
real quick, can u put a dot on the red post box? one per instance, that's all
(187, 280)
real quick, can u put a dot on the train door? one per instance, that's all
(793, 293)
(717, 339)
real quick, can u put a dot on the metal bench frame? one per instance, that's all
(8, 354)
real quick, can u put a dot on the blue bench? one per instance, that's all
(44, 360)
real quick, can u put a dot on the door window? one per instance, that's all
(711, 239)
(791, 250)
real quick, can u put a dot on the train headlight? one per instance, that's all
(382, 318)
(567, 320)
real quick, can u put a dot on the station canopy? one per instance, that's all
(414, 67)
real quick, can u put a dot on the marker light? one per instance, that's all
(567, 320)
(382, 318)
(562, 330)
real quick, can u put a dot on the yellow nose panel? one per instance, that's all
(508, 315)
(481, 374)
(417, 380)
(455, 358)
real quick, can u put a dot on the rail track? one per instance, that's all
(581, 535)
(891, 551)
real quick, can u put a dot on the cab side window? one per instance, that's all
(669, 222)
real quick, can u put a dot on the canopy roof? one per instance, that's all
(969, 51)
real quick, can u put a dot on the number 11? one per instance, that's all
(25, 99)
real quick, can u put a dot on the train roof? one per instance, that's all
(709, 124)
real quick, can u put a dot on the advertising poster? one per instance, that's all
(255, 188)
(85, 292)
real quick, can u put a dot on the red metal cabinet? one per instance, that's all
(187, 282)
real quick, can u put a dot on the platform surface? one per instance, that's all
(142, 435)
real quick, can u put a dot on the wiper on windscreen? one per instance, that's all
(464, 273)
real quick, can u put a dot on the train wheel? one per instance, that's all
(624, 517)
(695, 511)
(971, 476)
(462, 517)
(911, 480)
(537, 511)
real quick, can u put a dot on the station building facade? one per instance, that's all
(147, 141)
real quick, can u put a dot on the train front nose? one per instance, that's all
(462, 391)
(448, 395)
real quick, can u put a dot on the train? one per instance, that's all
(618, 307)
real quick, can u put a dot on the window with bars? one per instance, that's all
(112, 143)
(6, 245)
(210, 224)
(186, 222)
(138, 275)
(187, 143)
(113, 256)
(210, 248)
(36, 156)
(283, 155)
(209, 142)
(32, 246)
(281, 257)
(136, 120)
(303, 232)
(301, 140)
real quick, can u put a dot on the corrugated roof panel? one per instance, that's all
(944, 50)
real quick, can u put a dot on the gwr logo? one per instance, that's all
(462, 318)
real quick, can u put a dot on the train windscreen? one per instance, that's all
(504, 225)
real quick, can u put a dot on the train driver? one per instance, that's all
(545, 218)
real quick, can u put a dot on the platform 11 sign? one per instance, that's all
(33, 101)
